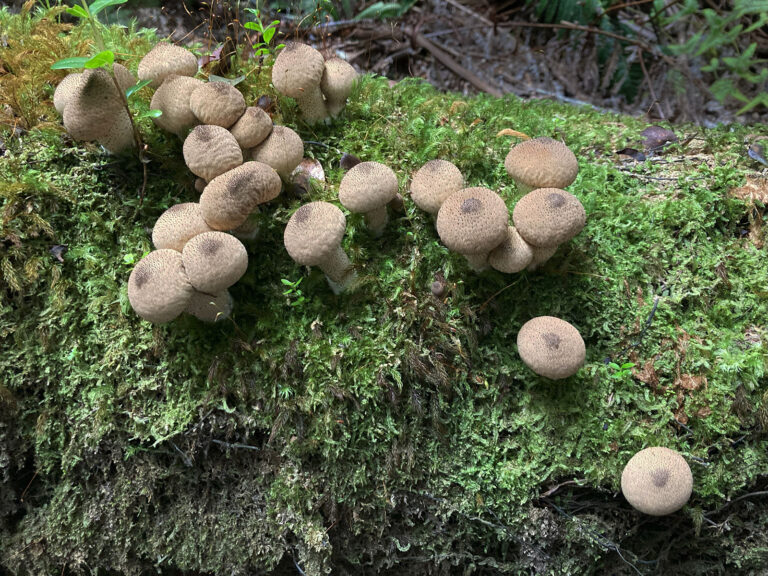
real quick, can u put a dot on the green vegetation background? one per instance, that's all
(384, 428)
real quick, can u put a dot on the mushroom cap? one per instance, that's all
(229, 198)
(433, 183)
(542, 163)
(512, 255)
(210, 307)
(214, 261)
(120, 135)
(548, 217)
(551, 347)
(173, 99)
(297, 68)
(282, 149)
(123, 76)
(177, 225)
(314, 232)
(338, 78)
(158, 287)
(657, 481)
(217, 103)
(252, 128)
(165, 59)
(367, 186)
(68, 86)
(472, 221)
(93, 107)
(210, 151)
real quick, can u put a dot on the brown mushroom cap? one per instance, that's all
(297, 68)
(551, 347)
(68, 86)
(177, 225)
(541, 163)
(92, 108)
(472, 221)
(252, 128)
(367, 186)
(173, 99)
(123, 76)
(210, 308)
(336, 84)
(164, 60)
(214, 261)
(283, 150)
(657, 481)
(217, 103)
(314, 232)
(512, 255)
(158, 287)
(120, 135)
(433, 183)
(210, 151)
(548, 217)
(228, 199)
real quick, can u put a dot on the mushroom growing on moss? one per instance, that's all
(282, 149)
(172, 98)
(433, 183)
(217, 103)
(211, 150)
(551, 347)
(210, 307)
(541, 163)
(512, 255)
(336, 84)
(214, 261)
(177, 225)
(252, 128)
(166, 59)
(367, 189)
(657, 481)
(158, 287)
(296, 73)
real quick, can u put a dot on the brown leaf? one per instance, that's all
(647, 374)
(515, 133)
(756, 188)
(690, 382)
(632, 153)
(656, 137)
(704, 412)
(58, 251)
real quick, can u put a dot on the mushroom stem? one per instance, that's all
(312, 105)
(522, 187)
(248, 230)
(338, 270)
(478, 262)
(376, 220)
(540, 255)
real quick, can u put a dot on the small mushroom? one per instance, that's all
(296, 73)
(172, 98)
(158, 287)
(367, 189)
(214, 261)
(177, 225)
(313, 238)
(67, 88)
(548, 217)
(336, 84)
(657, 481)
(123, 76)
(210, 151)
(252, 128)
(540, 255)
(541, 163)
(210, 308)
(120, 135)
(512, 255)
(433, 183)
(93, 107)
(166, 59)
(282, 149)
(551, 347)
(472, 222)
(217, 103)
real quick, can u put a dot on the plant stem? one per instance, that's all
(95, 27)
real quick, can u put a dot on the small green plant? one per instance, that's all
(266, 33)
(621, 372)
(295, 296)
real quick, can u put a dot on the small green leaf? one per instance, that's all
(613, 365)
(78, 11)
(151, 114)
(99, 5)
(136, 87)
(232, 81)
(101, 59)
(286, 282)
(268, 34)
(253, 26)
(67, 63)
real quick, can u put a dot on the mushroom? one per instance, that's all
(551, 347)
(210, 307)
(123, 76)
(282, 149)
(336, 84)
(367, 189)
(172, 98)
(158, 287)
(66, 89)
(472, 222)
(252, 128)
(217, 103)
(177, 225)
(120, 135)
(164, 60)
(93, 106)
(210, 151)
(433, 183)
(512, 255)
(200, 184)
(657, 481)
(540, 255)
(229, 198)
(313, 236)
(296, 73)
(541, 163)
(214, 261)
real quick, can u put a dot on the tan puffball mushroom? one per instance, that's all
(540, 255)
(217, 103)
(296, 73)
(214, 261)
(210, 308)
(433, 183)
(172, 98)
(158, 287)
(252, 128)
(512, 255)
(177, 225)
(548, 217)
(123, 76)
(120, 136)
(93, 107)
(472, 222)
(210, 151)
(657, 481)
(541, 163)
(551, 347)
(68, 86)
(229, 199)
(166, 59)
(336, 84)
(313, 236)
(367, 188)
(282, 149)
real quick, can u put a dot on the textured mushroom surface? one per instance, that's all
(541, 163)
(283, 150)
(93, 107)
(433, 183)
(367, 186)
(473, 221)
(296, 73)
(166, 59)
(210, 151)
(210, 307)
(657, 481)
(548, 217)
(173, 99)
(313, 232)
(123, 76)
(217, 103)
(336, 84)
(158, 287)
(120, 135)
(252, 128)
(512, 255)
(551, 347)
(177, 225)
(214, 261)
(68, 86)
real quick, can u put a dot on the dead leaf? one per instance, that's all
(704, 412)
(632, 153)
(690, 382)
(756, 188)
(656, 137)
(515, 133)
(58, 251)
(456, 105)
(476, 121)
(757, 152)
(647, 374)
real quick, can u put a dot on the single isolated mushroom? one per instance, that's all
(313, 236)
(472, 222)
(158, 287)
(657, 481)
(172, 98)
(210, 151)
(217, 103)
(551, 347)
(541, 163)
(367, 189)
(433, 183)
(336, 84)
(210, 307)
(177, 225)
(512, 255)
(296, 73)
(282, 149)
(252, 128)
(214, 261)
(166, 59)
